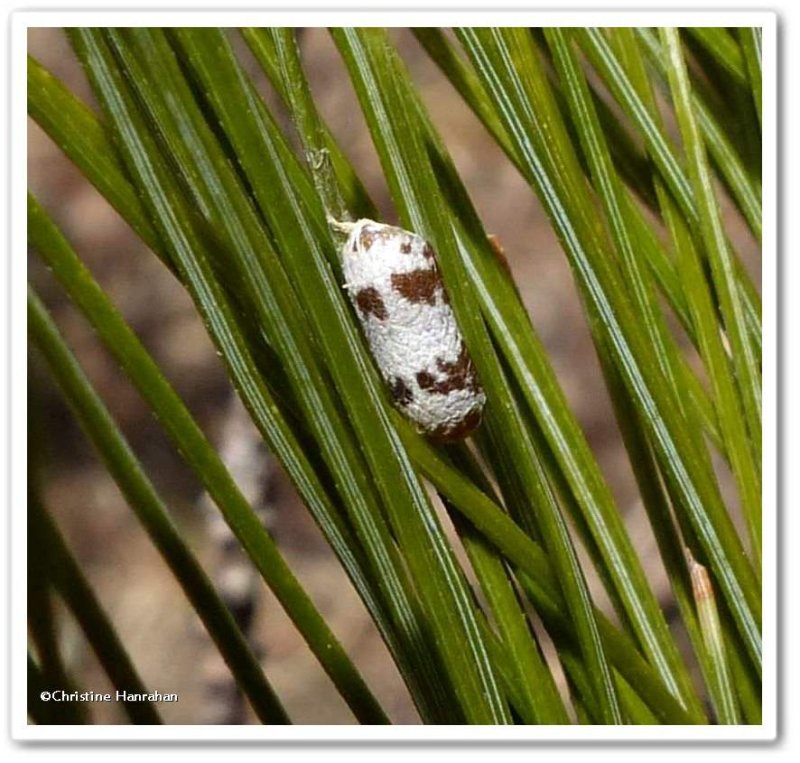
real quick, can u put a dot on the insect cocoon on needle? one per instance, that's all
(396, 289)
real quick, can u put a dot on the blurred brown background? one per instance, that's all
(159, 628)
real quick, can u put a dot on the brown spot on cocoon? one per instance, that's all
(405, 247)
(401, 393)
(418, 285)
(459, 430)
(426, 380)
(427, 251)
(370, 234)
(459, 375)
(367, 236)
(369, 301)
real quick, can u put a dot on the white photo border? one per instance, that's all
(21, 21)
